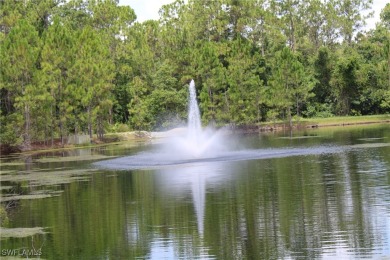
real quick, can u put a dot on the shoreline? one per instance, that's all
(144, 136)
(307, 124)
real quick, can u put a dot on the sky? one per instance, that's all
(377, 6)
(148, 9)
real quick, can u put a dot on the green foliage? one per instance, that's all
(19, 55)
(245, 85)
(80, 66)
(318, 110)
(139, 114)
(290, 86)
(323, 73)
(4, 221)
(119, 128)
(9, 129)
(211, 82)
(346, 81)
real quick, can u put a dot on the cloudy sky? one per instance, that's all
(148, 9)
(145, 9)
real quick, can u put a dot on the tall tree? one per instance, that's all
(138, 64)
(244, 82)
(210, 80)
(288, 10)
(11, 12)
(138, 108)
(92, 74)
(290, 86)
(56, 60)
(384, 41)
(40, 13)
(323, 67)
(19, 58)
(345, 85)
(330, 29)
(168, 98)
(113, 22)
(261, 28)
(350, 17)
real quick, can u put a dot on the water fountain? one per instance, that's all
(197, 145)
(194, 124)
(197, 142)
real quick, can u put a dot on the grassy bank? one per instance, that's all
(324, 122)
(346, 120)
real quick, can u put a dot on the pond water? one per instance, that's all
(322, 193)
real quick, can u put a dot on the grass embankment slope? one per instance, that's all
(346, 120)
(326, 122)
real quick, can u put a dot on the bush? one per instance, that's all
(120, 128)
(8, 133)
(319, 110)
(3, 217)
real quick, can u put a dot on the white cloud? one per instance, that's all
(377, 7)
(146, 9)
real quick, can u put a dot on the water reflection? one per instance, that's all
(177, 181)
(331, 205)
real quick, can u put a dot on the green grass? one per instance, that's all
(332, 121)
(340, 120)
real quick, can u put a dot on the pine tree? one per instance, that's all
(56, 60)
(92, 75)
(19, 54)
(289, 84)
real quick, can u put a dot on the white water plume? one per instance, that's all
(197, 142)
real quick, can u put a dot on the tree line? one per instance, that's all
(78, 66)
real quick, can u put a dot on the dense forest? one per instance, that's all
(78, 66)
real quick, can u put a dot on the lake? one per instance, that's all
(314, 194)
